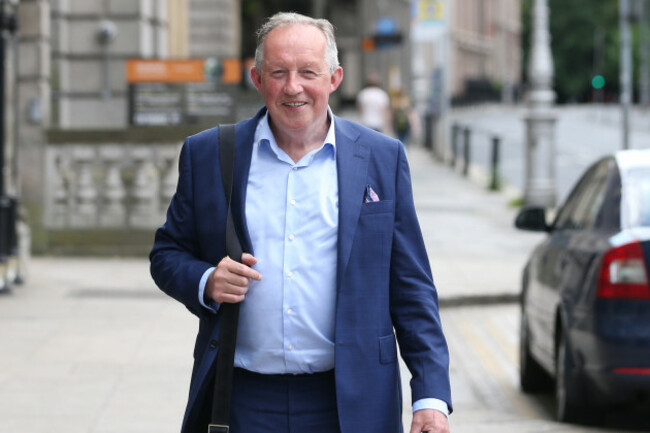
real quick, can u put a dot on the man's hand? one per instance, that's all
(429, 420)
(230, 280)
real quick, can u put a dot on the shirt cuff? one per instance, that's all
(431, 403)
(204, 280)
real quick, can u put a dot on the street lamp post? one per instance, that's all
(540, 118)
(624, 14)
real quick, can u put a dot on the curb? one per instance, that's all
(473, 300)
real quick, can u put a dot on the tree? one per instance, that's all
(585, 43)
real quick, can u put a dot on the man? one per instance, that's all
(373, 104)
(336, 260)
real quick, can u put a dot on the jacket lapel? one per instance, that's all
(352, 159)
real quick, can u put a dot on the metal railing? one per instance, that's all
(461, 143)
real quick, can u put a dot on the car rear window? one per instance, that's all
(637, 191)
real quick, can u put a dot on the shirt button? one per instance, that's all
(295, 168)
(290, 274)
(291, 237)
(293, 202)
(290, 347)
(289, 311)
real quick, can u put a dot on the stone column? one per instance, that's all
(113, 210)
(145, 189)
(33, 108)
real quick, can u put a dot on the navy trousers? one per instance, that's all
(283, 403)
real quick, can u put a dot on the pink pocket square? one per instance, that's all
(371, 195)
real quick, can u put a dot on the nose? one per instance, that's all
(293, 86)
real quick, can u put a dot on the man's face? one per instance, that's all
(295, 80)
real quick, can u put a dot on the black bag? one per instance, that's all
(229, 312)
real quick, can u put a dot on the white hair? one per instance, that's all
(285, 18)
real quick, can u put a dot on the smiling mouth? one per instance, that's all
(295, 104)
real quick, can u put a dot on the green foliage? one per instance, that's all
(516, 202)
(585, 42)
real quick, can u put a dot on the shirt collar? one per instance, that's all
(263, 132)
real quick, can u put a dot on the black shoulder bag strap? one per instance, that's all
(229, 312)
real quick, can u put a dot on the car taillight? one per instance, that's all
(632, 370)
(623, 274)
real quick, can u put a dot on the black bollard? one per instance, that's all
(428, 131)
(494, 182)
(455, 129)
(466, 151)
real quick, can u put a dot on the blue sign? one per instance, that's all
(386, 26)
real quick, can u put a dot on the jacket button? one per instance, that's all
(214, 344)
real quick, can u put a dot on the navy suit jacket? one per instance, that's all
(384, 284)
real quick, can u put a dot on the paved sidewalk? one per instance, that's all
(89, 345)
(476, 253)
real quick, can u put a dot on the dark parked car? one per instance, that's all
(585, 316)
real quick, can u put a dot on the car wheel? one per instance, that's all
(567, 388)
(532, 377)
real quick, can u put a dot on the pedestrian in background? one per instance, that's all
(373, 105)
(335, 270)
(402, 115)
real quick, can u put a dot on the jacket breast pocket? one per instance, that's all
(387, 349)
(384, 206)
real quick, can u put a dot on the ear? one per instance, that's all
(336, 78)
(256, 77)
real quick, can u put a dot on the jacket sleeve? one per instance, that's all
(414, 299)
(176, 266)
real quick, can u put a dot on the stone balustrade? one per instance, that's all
(109, 185)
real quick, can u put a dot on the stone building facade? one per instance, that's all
(92, 39)
(91, 182)
(485, 39)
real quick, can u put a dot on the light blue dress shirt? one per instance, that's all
(286, 323)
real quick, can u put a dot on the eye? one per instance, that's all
(279, 73)
(309, 73)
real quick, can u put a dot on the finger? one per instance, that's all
(230, 280)
(222, 291)
(248, 259)
(232, 277)
(229, 298)
(235, 285)
(244, 269)
(226, 275)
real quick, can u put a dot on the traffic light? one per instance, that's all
(598, 82)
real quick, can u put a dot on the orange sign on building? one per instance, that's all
(231, 71)
(165, 71)
(180, 71)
